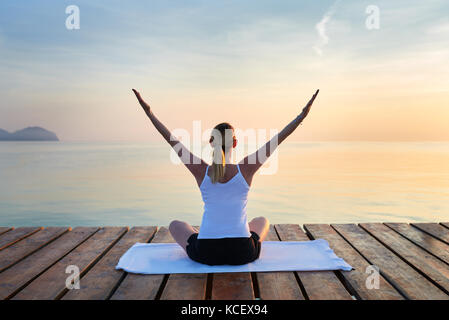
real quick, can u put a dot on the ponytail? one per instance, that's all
(220, 144)
(218, 164)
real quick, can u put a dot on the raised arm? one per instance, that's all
(255, 160)
(195, 165)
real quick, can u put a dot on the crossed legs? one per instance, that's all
(181, 231)
(260, 225)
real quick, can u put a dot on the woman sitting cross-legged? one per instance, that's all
(225, 236)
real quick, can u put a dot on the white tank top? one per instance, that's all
(224, 208)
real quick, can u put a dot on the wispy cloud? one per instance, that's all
(439, 28)
(2, 38)
(321, 28)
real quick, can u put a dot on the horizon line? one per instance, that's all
(205, 142)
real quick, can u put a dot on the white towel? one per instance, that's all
(169, 258)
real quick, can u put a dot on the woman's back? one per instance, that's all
(224, 207)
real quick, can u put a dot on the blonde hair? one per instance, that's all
(222, 140)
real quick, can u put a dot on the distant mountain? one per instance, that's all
(28, 134)
(3, 134)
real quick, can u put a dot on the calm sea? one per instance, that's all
(90, 184)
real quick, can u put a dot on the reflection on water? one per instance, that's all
(136, 184)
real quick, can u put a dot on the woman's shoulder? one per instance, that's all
(246, 172)
(199, 171)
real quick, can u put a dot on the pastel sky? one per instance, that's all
(252, 63)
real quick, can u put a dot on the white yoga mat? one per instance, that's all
(169, 258)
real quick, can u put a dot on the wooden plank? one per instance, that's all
(319, 285)
(278, 285)
(27, 246)
(445, 224)
(403, 277)
(185, 286)
(434, 229)
(83, 256)
(16, 235)
(356, 278)
(18, 276)
(5, 229)
(139, 286)
(232, 286)
(436, 247)
(103, 278)
(434, 269)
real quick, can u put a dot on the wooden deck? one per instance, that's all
(413, 260)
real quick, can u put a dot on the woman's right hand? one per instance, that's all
(145, 106)
(306, 109)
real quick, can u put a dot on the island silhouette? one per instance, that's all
(28, 134)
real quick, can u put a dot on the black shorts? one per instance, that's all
(232, 251)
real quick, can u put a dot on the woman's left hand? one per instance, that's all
(145, 106)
